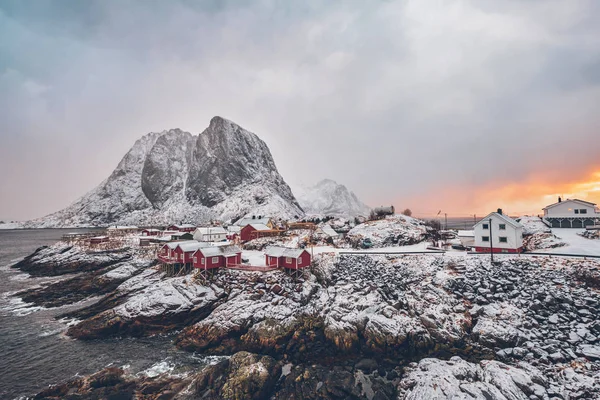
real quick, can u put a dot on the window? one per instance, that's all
(576, 211)
(202, 261)
(215, 260)
(503, 239)
(195, 259)
(485, 238)
(486, 226)
(288, 260)
(502, 227)
(583, 211)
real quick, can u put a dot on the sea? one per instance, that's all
(35, 352)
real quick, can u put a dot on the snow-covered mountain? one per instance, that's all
(330, 198)
(225, 172)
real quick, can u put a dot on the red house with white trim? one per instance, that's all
(182, 228)
(217, 257)
(284, 257)
(150, 232)
(178, 252)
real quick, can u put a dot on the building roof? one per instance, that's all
(503, 217)
(260, 227)
(248, 221)
(100, 237)
(230, 250)
(587, 203)
(466, 233)
(190, 246)
(151, 230)
(212, 230)
(234, 228)
(173, 245)
(214, 251)
(277, 251)
(183, 226)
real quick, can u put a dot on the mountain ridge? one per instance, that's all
(225, 172)
(328, 197)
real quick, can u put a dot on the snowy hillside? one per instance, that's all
(172, 176)
(330, 198)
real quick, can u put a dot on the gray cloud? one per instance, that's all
(391, 98)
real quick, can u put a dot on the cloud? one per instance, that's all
(394, 99)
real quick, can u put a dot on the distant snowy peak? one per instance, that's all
(330, 198)
(225, 172)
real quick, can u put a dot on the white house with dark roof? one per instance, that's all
(571, 213)
(210, 234)
(498, 233)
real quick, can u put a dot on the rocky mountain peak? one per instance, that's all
(173, 176)
(328, 197)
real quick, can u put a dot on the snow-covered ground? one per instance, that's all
(254, 257)
(576, 244)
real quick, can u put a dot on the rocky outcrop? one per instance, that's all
(148, 304)
(536, 312)
(63, 259)
(398, 230)
(112, 383)
(364, 309)
(457, 379)
(172, 176)
(95, 283)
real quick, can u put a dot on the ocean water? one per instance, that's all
(34, 350)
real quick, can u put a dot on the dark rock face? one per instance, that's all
(227, 156)
(166, 167)
(111, 383)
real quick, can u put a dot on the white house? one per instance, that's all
(571, 213)
(210, 234)
(498, 233)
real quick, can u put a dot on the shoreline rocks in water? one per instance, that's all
(363, 317)
(62, 258)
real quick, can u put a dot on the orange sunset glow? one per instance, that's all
(515, 198)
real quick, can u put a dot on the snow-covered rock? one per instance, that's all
(537, 235)
(397, 230)
(330, 198)
(225, 172)
(458, 379)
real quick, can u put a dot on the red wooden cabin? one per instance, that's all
(284, 257)
(150, 232)
(217, 257)
(178, 252)
(255, 231)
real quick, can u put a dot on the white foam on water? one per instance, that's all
(19, 308)
(163, 367)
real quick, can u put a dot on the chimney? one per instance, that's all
(559, 199)
(500, 211)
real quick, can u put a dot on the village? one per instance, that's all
(263, 244)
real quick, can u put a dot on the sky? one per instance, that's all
(458, 106)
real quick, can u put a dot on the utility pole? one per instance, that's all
(446, 221)
(491, 241)
(474, 219)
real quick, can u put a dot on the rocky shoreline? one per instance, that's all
(375, 327)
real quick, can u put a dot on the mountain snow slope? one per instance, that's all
(330, 198)
(226, 172)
